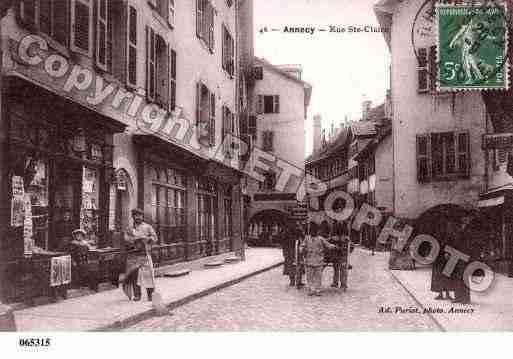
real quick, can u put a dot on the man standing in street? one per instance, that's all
(140, 238)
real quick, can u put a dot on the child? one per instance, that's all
(313, 248)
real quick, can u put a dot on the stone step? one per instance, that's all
(213, 264)
(176, 273)
(232, 259)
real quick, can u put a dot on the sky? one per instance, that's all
(343, 68)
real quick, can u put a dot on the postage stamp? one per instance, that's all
(472, 46)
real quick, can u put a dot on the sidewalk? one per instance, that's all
(492, 310)
(111, 310)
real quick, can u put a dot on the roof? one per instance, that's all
(276, 69)
(383, 11)
(364, 128)
(331, 148)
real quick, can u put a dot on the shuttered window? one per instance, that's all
(81, 26)
(172, 79)
(102, 34)
(27, 12)
(252, 127)
(205, 23)
(426, 69)
(228, 52)
(205, 114)
(268, 141)
(151, 67)
(228, 129)
(443, 156)
(47, 16)
(131, 47)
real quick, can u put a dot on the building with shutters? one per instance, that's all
(280, 100)
(90, 92)
(436, 136)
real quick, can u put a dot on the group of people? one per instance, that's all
(311, 252)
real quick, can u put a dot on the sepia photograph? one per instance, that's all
(255, 166)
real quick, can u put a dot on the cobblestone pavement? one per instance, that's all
(266, 302)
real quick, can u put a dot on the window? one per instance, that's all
(258, 73)
(443, 156)
(47, 16)
(131, 45)
(161, 70)
(169, 204)
(228, 128)
(205, 17)
(269, 182)
(426, 69)
(166, 9)
(81, 26)
(268, 104)
(102, 34)
(268, 141)
(205, 114)
(172, 79)
(228, 53)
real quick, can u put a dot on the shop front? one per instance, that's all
(59, 165)
(494, 230)
(195, 206)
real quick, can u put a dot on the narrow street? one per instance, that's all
(265, 302)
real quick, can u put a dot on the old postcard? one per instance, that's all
(253, 165)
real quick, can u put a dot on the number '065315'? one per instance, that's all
(34, 342)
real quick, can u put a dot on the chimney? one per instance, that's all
(317, 132)
(366, 106)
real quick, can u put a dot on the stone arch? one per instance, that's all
(264, 226)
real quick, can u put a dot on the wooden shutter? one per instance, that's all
(119, 29)
(131, 46)
(199, 18)
(172, 79)
(422, 70)
(462, 154)
(81, 26)
(252, 127)
(260, 104)
(150, 64)
(212, 126)
(102, 34)
(45, 16)
(198, 103)
(28, 12)
(276, 103)
(432, 73)
(211, 27)
(162, 71)
(60, 21)
(424, 158)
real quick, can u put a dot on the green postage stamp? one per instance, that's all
(472, 46)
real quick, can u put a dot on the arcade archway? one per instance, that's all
(264, 227)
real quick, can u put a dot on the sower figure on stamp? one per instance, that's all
(465, 38)
(139, 239)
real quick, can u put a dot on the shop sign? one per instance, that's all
(498, 140)
(60, 271)
(17, 203)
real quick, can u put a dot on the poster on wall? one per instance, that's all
(60, 271)
(28, 226)
(17, 203)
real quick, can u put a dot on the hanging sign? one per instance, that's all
(60, 271)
